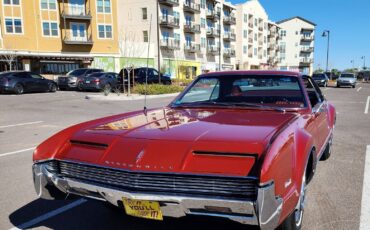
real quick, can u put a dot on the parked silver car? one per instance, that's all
(347, 79)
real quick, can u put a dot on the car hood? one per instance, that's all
(187, 140)
(347, 79)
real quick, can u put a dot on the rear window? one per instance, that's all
(318, 76)
(347, 76)
(6, 74)
(97, 75)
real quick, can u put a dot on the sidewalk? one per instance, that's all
(124, 97)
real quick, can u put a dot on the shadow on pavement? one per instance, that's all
(97, 215)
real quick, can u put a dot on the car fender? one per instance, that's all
(331, 115)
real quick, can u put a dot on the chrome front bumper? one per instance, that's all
(265, 211)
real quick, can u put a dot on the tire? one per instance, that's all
(167, 83)
(107, 88)
(327, 152)
(79, 86)
(325, 84)
(295, 219)
(338, 86)
(18, 89)
(353, 86)
(52, 88)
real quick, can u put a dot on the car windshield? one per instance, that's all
(6, 74)
(347, 76)
(76, 72)
(244, 91)
(318, 76)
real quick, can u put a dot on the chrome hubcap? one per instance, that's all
(301, 202)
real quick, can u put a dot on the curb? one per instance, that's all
(114, 97)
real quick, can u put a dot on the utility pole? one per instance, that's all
(364, 58)
(220, 39)
(326, 33)
(158, 42)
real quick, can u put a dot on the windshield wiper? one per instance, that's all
(230, 104)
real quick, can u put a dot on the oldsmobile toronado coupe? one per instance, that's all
(240, 145)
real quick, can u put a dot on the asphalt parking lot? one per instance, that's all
(334, 200)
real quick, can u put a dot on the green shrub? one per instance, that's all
(155, 89)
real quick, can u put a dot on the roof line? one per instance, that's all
(303, 19)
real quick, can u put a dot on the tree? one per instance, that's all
(318, 71)
(10, 56)
(130, 47)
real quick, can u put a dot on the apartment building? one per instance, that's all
(187, 37)
(297, 44)
(56, 36)
(273, 49)
(251, 36)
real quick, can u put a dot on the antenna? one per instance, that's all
(147, 66)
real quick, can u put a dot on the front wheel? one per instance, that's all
(18, 89)
(52, 88)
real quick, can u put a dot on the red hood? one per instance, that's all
(189, 140)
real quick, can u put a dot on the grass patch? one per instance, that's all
(156, 89)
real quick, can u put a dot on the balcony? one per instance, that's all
(305, 61)
(307, 38)
(260, 43)
(76, 12)
(213, 32)
(229, 52)
(170, 3)
(213, 15)
(71, 38)
(307, 49)
(271, 34)
(191, 7)
(192, 28)
(170, 44)
(250, 24)
(260, 28)
(271, 46)
(229, 36)
(192, 48)
(213, 50)
(169, 21)
(230, 20)
(250, 40)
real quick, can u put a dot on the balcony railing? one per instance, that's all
(229, 36)
(307, 49)
(213, 50)
(229, 52)
(307, 38)
(213, 14)
(192, 28)
(213, 32)
(250, 24)
(260, 43)
(192, 48)
(71, 38)
(76, 12)
(250, 55)
(250, 40)
(169, 21)
(191, 7)
(231, 20)
(169, 2)
(306, 61)
(170, 43)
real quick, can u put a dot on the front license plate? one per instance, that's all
(87, 82)
(143, 209)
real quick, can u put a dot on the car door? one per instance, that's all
(153, 75)
(318, 125)
(39, 83)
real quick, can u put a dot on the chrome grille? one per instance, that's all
(172, 184)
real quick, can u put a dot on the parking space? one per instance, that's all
(335, 194)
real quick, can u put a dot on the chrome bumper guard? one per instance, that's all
(265, 211)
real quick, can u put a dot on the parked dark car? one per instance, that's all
(73, 79)
(23, 82)
(138, 75)
(100, 81)
(321, 79)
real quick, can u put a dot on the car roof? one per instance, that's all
(253, 72)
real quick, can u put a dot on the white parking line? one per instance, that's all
(49, 215)
(15, 152)
(21, 124)
(367, 105)
(365, 207)
(358, 90)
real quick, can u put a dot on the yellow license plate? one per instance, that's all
(143, 209)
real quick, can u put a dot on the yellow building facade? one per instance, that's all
(56, 36)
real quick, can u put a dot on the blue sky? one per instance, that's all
(348, 21)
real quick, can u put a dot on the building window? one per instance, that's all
(255, 51)
(245, 17)
(245, 49)
(283, 33)
(48, 4)
(11, 2)
(265, 39)
(255, 37)
(203, 42)
(104, 6)
(203, 4)
(203, 22)
(50, 29)
(145, 35)
(105, 31)
(145, 13)
(245, 32)
(265, 53)
(255, 22)
(13, 26)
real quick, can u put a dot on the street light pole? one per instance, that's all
(364, 58)
(326, 33)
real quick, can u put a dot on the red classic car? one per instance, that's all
(241, 145)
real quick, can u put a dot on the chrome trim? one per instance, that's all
(327, 141)
(265, 211)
